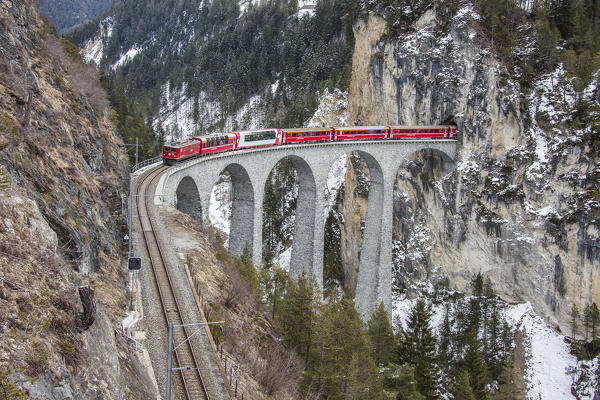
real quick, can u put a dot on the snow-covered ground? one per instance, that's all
(335, 180)
(549, 361)
(332, 109)
(219, 211)
(93, 50)
(127, 56)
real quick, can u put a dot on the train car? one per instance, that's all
(452, 132)
(420, 132)
(217, 143)
(361, 132)
(257, 138)
(178, 151)
(301, 135)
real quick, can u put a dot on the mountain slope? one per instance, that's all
(196, 64)
(66, 14)
(62, 284)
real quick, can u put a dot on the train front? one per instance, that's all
(170, 155)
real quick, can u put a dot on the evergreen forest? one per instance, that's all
(68, 14)
(471, 355)
(211, 49)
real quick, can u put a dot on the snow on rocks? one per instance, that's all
(548, 355)
(93, 50)
(127, 57)
(219, 211)
(331, 110)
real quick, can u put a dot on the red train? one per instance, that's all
(201, 146)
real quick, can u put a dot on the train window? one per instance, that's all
(261, 135)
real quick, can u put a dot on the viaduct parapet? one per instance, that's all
(188, 187)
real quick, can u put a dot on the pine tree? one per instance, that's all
(473, 362)
(365, 381)
(595, 318)
(297, 319)
(587, 320)
(461, 389)
(419, 347)
(381, 337)
(273, 284)
(548, 38)
(247, 269)
(340, 351)
(405, 384)
(333, 271)
(445, 344)
(494, 350)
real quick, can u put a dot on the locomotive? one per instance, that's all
(238, 140)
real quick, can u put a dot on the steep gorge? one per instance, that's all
(519, 205)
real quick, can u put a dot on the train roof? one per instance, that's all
(420, 126)
(256, 130)
(320, 128)
(181, 143)
(360, 128)
(215, 136)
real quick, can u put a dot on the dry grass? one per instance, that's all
(251, 342)
(84, 78)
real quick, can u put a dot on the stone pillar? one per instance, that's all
(367, 290)
(319, 229)
(384, 283)
(303, 246)
(205, 204)
(243, 221)
(258, 225)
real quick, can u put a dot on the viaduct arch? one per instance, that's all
(191, 184)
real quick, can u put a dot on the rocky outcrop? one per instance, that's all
(518, 205)
(353, 211)
(63, 173)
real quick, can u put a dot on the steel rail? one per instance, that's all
(190, 374)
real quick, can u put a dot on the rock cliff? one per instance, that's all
(520, 204)
(62, 173)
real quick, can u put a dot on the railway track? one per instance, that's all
(184, 358)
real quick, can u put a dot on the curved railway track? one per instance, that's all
(184, 357)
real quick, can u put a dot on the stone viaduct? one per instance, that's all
(189, 186)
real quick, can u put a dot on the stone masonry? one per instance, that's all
(188, 187)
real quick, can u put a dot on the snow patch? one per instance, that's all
(127, 57)
(283, 259)
(549, 358)
(332, 110)
(335, 180)
(219, 209)
(93, 49)
(306, 7)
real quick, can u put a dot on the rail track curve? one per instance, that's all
(185, 359)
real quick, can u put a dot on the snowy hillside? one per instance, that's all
(551, 367)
